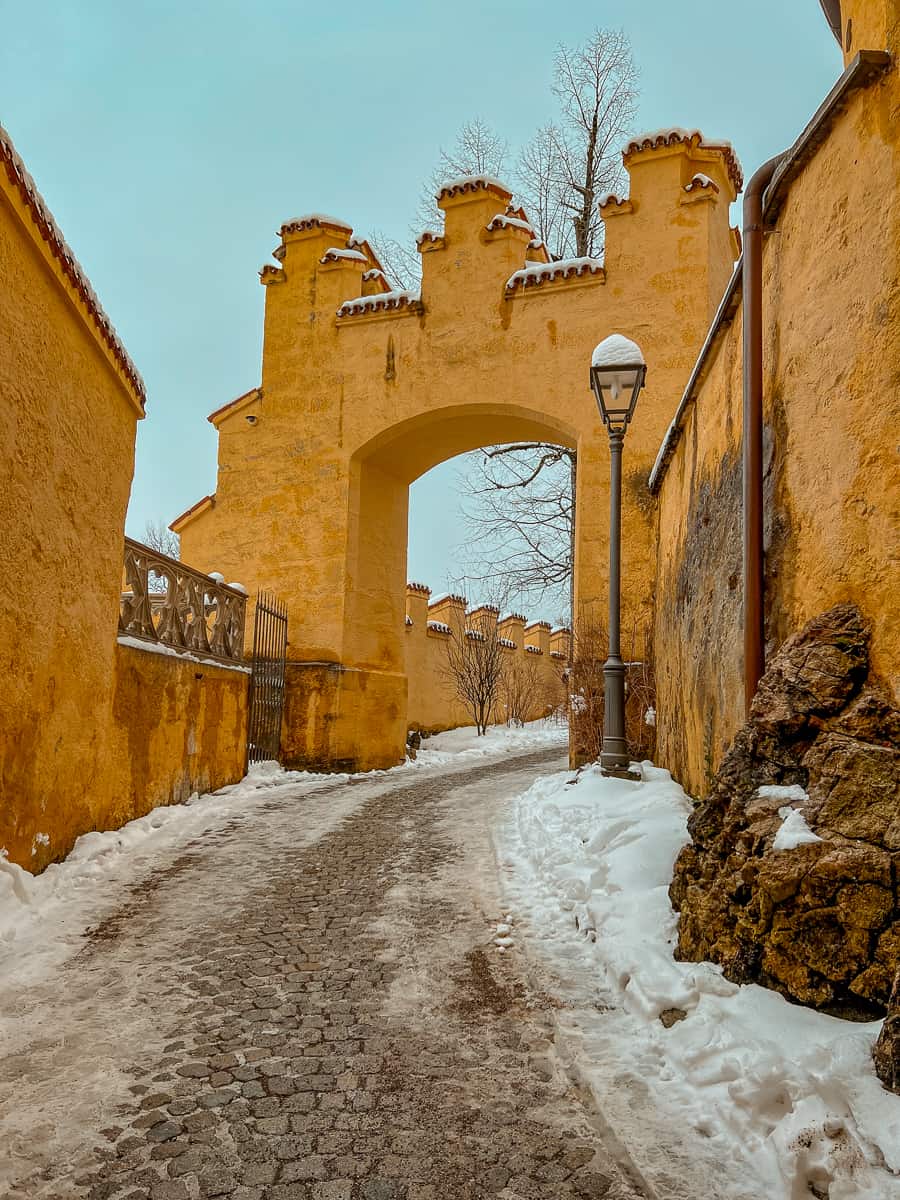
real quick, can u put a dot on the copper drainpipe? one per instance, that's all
(754, 568)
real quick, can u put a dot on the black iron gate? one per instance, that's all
(267, 679)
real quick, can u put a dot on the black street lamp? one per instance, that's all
(618, 371)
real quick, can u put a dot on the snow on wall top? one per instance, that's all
(428, 235)
(675, 135)
(538, 625)
(442, 596)
(617, 351)
(535, 273)
(373, 274)
(380, 302)
(337, 254)
(606, 198)
(439, 627)
(313, 221)
(52, 234)
(472, 183)
(419, 587)
(503, 221)
(701, 181)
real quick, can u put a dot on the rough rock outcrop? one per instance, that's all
(887, 1048)
(818, 922)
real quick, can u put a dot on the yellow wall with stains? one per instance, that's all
(92, 733)
(831, 305)
(312, 492)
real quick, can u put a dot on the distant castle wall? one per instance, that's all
(535, 660)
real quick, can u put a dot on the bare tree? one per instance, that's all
(520, 687)
(475, 660)
(161, 539)
(571, 162)
(519, 507)
(476, 150)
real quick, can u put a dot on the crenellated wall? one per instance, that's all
(532, 652)
(363, 390)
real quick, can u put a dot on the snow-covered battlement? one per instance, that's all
(313, 221)
(439, 627)
(337, 254)
(535, 273)
(701, 181)
(472, 183)
(380, 302)
(675, 135)
(505, 221)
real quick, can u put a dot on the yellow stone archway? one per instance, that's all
(364, 389)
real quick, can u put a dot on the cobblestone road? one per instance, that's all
(333, 1022)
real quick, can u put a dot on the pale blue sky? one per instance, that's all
(172, 139)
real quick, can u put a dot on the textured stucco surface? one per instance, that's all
(179, 727)
(311, 499)
(831, 410)
(67, 428)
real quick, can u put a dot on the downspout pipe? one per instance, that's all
(754, 567)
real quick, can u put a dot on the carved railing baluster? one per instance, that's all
(194, 614)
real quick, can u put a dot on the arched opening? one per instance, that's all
(381, 472)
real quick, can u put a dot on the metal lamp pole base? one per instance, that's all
(614, 757)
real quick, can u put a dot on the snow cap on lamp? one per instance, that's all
(618, 371)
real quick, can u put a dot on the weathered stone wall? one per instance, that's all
(820, 920)
(832, 407)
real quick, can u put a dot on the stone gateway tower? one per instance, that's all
(364, 389)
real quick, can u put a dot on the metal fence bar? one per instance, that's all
(267, 679)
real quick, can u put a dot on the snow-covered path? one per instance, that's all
(305, 999)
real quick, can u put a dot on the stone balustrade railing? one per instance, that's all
(166, 602)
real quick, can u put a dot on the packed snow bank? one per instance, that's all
(445, 748)
(783, 1098)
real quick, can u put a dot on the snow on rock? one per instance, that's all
(794, 830)
(617, 351)
(779, 1101)
(564, 268)
(378, 302)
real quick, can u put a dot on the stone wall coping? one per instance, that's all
(52, 235)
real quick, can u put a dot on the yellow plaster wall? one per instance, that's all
(832, 411)
(67, 429)
(311, 498)
(92, 733)
(179, 727)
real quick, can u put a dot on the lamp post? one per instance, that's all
(618, 371)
